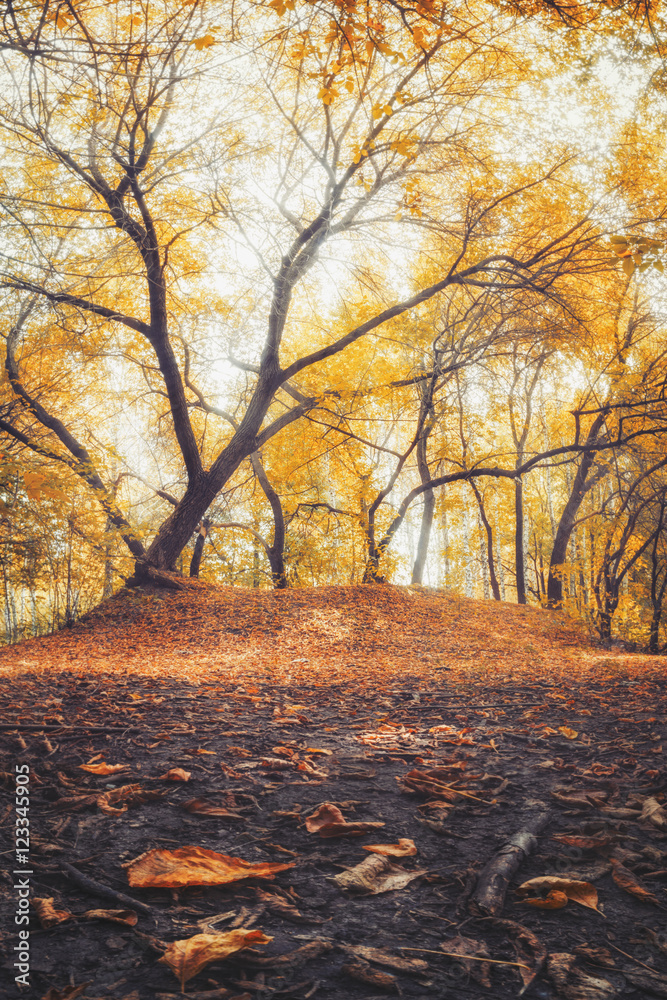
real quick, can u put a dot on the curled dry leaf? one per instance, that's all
(195, 866)
(626, 880)
(206, 808)
(578, 800)
(363, 973)
(654, 812)
(382, 957)
(427, 784)
(554, 900)
(574, 984)
(127, 795)
(405, 848)
(283, 908)
(529, 949)
(584, 843)
(103, 768)
(580, 892)
(46, 912)
(176, 774)
(67, 992)
(189, 956)
(463, 946)
(128, 917)
(329, 821)
(291, 959)
(569, 734)
(374, 875)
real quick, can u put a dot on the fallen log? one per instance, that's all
(488, 898)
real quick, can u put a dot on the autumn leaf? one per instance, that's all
(104, 768)
(654, 812)
(127, 917)
(196, 866)
(463, 946)
(403, 849)
(46, 912)
(176, 774)
(629, 882)
(189, 956)
(555, 899)
(329, 821)
(376, 874)
(569, 734)
(579, 892)
(205, 808)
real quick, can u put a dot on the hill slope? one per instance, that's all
(320, 636)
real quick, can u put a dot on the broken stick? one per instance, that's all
(488, 898)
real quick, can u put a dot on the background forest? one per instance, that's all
(301, 293)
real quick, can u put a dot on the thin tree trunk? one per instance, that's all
(489, 542)
(195, 562)
(519, 554)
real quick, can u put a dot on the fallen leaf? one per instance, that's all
(529, 949)
(176, 774)
(104, 768)
(189, 956)
(580, 892)
(554, 900)
(47, 913)
(463, 946)
(654, 812)
(203, 807)
(66, 993)
(363, 973)
(584, 843)
(376, 874)
(128, 917)
(382, 957)
(405, 848)
(569, 734)
(329, 821)
(574, 984)
(625, 879)
(195, 866)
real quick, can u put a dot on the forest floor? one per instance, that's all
(209, 768)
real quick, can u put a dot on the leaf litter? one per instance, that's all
(183, 788)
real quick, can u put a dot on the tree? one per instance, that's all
(116, 206)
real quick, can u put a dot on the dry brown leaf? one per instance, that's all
(47, 913)
(128, 917)
(554, 900)
(195, 866)
(127, 795)
(203, 807)
(329, 821)
(654, 812)
(363, 973)
(425, 783)
(176, 774)
(291, 959)
(405, 848)
(376, 874)
(189, 956)
(103, 768)
(529, 949)
(584, 843)
(626, 880)
(596, 954)
(580, 892)
(463, 946)
(578, 800)
(67, 992)
(569, 734)
(382, 957)
(574, 984)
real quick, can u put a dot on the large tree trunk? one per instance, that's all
(195, 562)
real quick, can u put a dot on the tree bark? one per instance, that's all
(195, 562)
(519, 554)
(489, 542)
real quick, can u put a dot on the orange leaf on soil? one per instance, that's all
(329, 821)
(554, 900)
(580, 892)
(189, 956)
(195, 866)
(625, 879)
(209, 809)
(176, 774)
(47, 913)
(104, 768)
(405, 848)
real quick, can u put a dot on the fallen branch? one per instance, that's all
(488, 898)
(97, 889)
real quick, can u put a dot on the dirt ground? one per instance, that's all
(221, 720)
